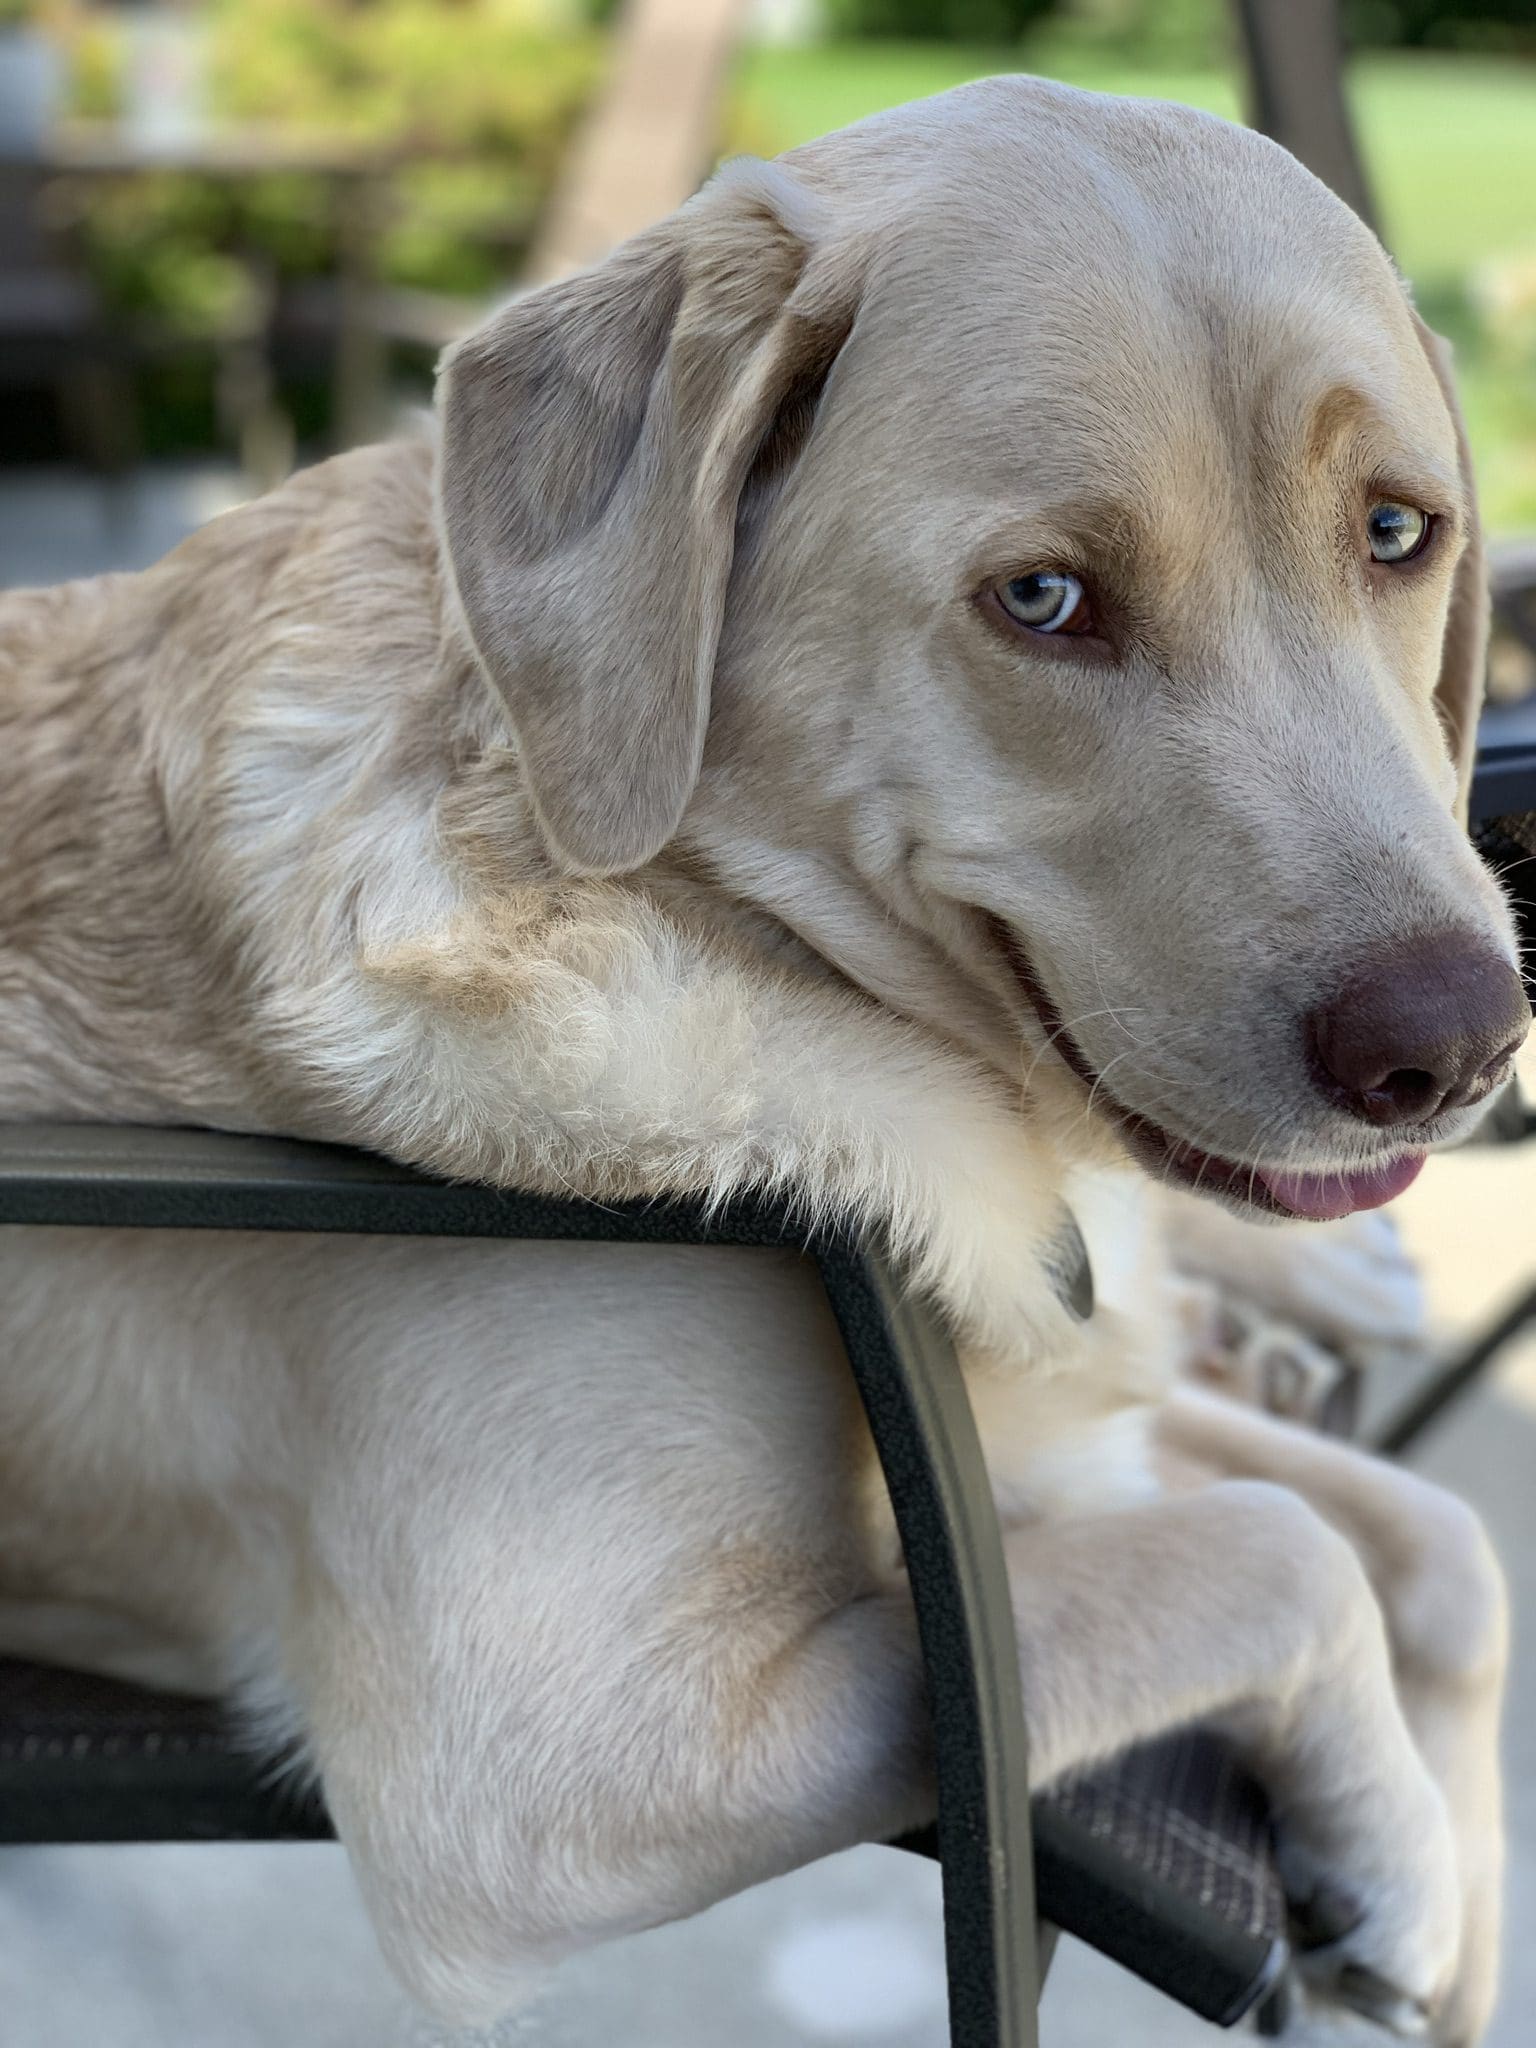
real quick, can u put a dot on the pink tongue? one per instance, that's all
(1323, 1196)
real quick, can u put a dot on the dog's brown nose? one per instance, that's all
(1427, 1026)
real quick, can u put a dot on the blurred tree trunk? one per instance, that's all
(1295, 51)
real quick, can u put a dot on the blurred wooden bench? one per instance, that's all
(652, 132)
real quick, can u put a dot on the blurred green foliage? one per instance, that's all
(1176, 31)
(974, 21)
(1152, 32)
(477, 96)
(1482, 25)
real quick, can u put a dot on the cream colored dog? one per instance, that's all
(940, 665)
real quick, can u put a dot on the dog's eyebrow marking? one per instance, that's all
(1340, 412)
(1077, 532)
(1343, 413)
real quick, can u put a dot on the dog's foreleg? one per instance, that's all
(1443, 1599)
(1239, 1605)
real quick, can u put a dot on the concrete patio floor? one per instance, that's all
(267, 1947)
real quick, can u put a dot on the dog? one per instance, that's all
(938, 682)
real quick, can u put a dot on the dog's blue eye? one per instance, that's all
(1396, 532)
(1047, 601)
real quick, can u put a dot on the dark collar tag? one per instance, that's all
(1069, 1269)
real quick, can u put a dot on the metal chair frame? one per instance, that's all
(988, 1838)
(905, 1368)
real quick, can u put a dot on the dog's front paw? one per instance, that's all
(1376, 1905)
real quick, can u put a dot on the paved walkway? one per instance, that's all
(266, 1947)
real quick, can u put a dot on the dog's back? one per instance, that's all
(121, 955)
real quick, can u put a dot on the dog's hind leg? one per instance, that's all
(1443, 1599)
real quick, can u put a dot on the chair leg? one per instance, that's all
(250, 415)
(1458, 1376)
(920, 1417)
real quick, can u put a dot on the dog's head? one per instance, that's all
(1026, 540)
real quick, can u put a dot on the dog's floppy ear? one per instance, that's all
(1464, 653)
(596, 438)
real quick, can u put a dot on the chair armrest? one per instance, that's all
(143, 1177)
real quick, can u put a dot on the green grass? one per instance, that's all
(796, 92)
(1450, 144)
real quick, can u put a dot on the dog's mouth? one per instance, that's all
(1317, 1196)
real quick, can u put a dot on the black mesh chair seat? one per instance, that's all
(1161, 1861)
